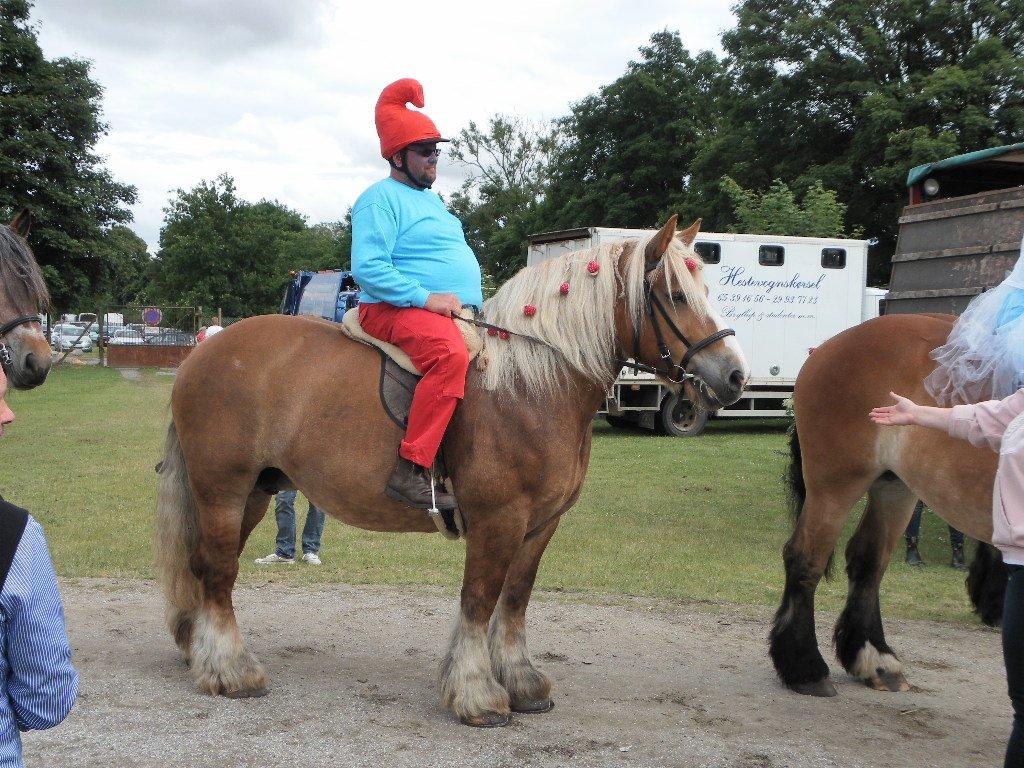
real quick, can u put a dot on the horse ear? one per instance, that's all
(660, 243)
(21, 223)
(688, 235)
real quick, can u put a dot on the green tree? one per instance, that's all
(777, 211)
(49, 125)
(497, 204)
(625, 154)
(219, 251)
(333, 245)
(125, 262)
(853, 93)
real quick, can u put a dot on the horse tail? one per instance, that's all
(794, 478)
(177, 536)
(986, 583)
(796, 489)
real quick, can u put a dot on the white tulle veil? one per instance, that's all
(984, 356)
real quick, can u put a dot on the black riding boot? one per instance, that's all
(410, 485)
(958, 558)
(913, 556)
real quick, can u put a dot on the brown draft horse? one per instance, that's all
(838, 455)
(275, 401)
(24, 350)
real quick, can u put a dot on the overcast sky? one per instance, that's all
(280, 93)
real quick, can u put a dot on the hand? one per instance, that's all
(446, 304)
(900, 415)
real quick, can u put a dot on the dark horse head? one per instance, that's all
(24, 351)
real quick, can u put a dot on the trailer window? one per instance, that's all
(710, 253)
(833, 258)
(771, 255)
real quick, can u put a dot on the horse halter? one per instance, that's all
(6, 360)
(674, 372)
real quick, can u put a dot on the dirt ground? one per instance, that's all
(637, 683)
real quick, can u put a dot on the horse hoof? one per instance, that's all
(247, 693)
(891, 682)
(823, 688)
(532, 706)
(490, 720)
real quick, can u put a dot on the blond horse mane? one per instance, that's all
(579, 328)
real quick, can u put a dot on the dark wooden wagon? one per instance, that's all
(961, 232)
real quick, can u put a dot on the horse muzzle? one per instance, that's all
(720, 384)
(25, 370)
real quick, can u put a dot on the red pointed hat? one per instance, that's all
(397, 125)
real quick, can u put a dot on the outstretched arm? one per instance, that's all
(906, 412)
(981, 424)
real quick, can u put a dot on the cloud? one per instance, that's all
(280, 94)
(211, 29)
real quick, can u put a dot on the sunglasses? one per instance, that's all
(426, 151)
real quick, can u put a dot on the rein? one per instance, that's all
(535, 340)
(6, 360)
(673, 372)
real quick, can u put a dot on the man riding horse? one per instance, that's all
(416, 270)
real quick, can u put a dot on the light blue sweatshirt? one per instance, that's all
(406, 245)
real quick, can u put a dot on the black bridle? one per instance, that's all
(673, 372)
(6, 360)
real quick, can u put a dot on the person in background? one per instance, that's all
(38, 684)
(956, 541)
(209, 330)
(284, 508)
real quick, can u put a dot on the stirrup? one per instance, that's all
(438, 516)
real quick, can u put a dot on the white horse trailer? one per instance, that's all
(783, 295)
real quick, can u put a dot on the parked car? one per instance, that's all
(171, 337)
(65, 336)
(125, 337)
(93, 332)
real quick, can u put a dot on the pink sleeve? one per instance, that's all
(983, 424)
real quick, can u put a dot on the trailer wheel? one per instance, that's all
(688, 422)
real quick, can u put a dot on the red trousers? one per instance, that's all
(437, 348)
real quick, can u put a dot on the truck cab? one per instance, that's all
(329, 294)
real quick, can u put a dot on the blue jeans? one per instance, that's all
(284, 508)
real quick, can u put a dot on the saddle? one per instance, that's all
(398, 380)
(470, 334)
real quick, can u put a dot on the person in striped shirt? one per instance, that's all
(38, 685)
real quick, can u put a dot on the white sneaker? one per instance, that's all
(274, 559)
(311, 558)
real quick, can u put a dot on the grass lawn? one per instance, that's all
(696, 519)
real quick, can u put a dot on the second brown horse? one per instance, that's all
(838, 456)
